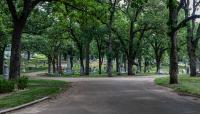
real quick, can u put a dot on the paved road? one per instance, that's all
(116, 96)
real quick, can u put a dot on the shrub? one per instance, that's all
(6, 86)
(1, 77)
(22, 82)
(134, 68)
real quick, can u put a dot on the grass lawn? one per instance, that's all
(36, 89)
(189, 85)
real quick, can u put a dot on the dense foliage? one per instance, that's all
(6, 86)
(123, 36)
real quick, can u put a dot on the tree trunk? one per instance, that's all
(87, 67)
(158, 66)
(173, 60)
(158, 56)
(99, 46)
(191, 51)
(19, 19)
(198, 65)
(117, 65)
(100, 62)
(16, 50)
(57, 64)
(192, 60)
(65, 56)
(2, 59)
(71, 61)
(49, 64)
(130, 54)
(81, 61)
(145, 65)
(28, 55)
(173, 14)
(110, 50)
(60, 64)
(1, 63)
(125, 63)
(190, 46)
(140, 64)
(109, 66)
(54, 65)
(130, 66)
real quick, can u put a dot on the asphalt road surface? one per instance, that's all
(115, 96)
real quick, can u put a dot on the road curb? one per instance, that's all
(187, 94)
(22, 106)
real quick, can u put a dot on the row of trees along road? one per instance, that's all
(131, 32)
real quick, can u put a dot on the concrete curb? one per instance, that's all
(22, 106)
(187, 94)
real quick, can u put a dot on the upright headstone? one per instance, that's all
(69, 66)
(122, 69)
(6, 72)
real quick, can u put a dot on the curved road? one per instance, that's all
(116, 96)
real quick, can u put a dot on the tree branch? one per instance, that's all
(121, 40)
(181, 4)
(196, 40)
(184, 22)
(12, 9)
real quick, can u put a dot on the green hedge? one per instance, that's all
(6, 86)
(1, 77)
(22, 82)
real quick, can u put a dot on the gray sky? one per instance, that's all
(198, 11)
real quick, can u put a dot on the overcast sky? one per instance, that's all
(198, 11)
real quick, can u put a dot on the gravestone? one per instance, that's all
(6, 71)
(122, 69)
(68, 70)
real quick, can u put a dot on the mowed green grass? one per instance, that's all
(190, 85)
(36, 89)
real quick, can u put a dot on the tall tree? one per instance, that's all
(48, 37)
(159, 46)
(19, 18)
(99, 38)
(135, 11)
(74, 32)
(112, 9)
(5, 27)
(192, 40)
(174, 26)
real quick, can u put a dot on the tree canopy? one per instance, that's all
(129, 35)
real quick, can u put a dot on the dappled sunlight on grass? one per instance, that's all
(190, 85)
(36, 90)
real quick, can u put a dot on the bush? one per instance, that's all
(22, 82)
(1, 77)
(134, 68)
(6, 86)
